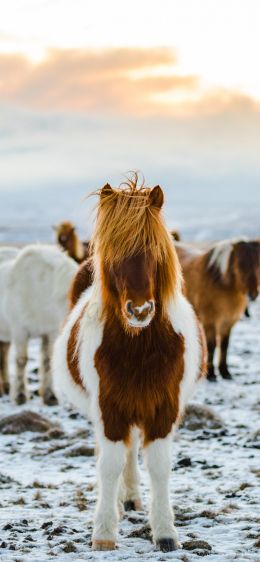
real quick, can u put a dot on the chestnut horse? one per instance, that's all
(129, 356)
(219, 281)
(67, 238)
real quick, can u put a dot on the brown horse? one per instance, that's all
(218, 283)
(130, 354)
(68, 239)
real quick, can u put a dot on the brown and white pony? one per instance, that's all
(219, 281)
(67, 238)
(129, 356)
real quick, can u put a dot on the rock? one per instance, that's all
(80, 451)
(69, 547)
(209, 514)
(55, 433)
(26, 421)
(144, 532)
(184, 462)
(196, 544)
(6, 480)
(80, 500)
(198, 416)
(47, 524)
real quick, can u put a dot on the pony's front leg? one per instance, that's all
(110, 465)
(131, 476)
(158, 456)
(46, 386)
(4, 374)
(223, 368)
(19, 391)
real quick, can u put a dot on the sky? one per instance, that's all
(90, 90)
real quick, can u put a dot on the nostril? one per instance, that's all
(151, 304)
(129, 308)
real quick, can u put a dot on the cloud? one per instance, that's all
(83, 116)
(120, 79)
(206, 149)
(133, 81)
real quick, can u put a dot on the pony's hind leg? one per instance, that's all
(211, 345)
(223, 368)
(110, 466)
(46, 389)
(131, 476)
(158, 456)
(4, 373)
(19, 391)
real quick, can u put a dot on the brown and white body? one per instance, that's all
(129, 356)
(218, 282)
(67, 238)
(34, 283)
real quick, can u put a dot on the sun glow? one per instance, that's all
(219, 43)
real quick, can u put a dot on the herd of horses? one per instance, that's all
(144, 313)
(219, 280)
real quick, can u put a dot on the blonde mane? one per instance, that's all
(128, 224)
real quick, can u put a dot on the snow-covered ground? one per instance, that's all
(48, 482)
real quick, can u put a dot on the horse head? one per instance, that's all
(139, 267)
(246, 266)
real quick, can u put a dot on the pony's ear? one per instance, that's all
(156, 197)
(106, 190)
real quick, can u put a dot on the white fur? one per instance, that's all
(113, 455)
(220, 256)
(221, 253)
(91, 327)
(131, 476)
(33, 287)
(158, 458)
(184, 322)
(144, 306)
(135, 323)
(110, 465)
(7, 253)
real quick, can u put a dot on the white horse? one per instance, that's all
(34, 283)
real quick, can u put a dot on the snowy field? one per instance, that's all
(48, 482)
(198, 213)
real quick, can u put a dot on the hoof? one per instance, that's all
(103, 545)
(49, 398)
(167, 545)
(211, 377)
(133, 505)
(227, 376)
(20, 398)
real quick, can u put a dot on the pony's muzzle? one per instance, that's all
(139, 316)
(63, 238)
